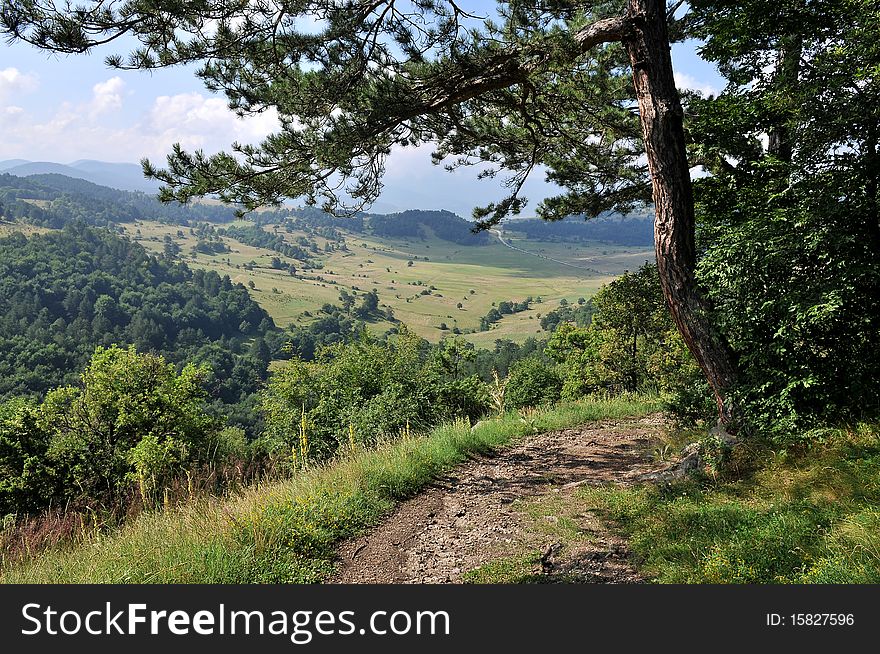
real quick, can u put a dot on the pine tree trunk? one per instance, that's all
(662, 125)
(786, 79)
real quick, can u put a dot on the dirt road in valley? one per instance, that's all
(517, 509)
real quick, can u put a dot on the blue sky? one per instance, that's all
(65, 108)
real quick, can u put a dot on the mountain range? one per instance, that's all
(399, 194)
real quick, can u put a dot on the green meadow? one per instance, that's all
(477, 277)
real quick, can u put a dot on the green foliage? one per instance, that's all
(629, 344)
(61, 200)
(132, 416)
(421, 224)
(378, 387)
(227, 444)
(500, 358)
(336, 324)
(798, 295)
(468, 397)
(216, 246)
(790, 233)
(578, 353)
(26, 477)
(504, 308)
(532, 382)
(64, 293)
(131, 419)
(581, 315)
(258, 237)
(635, 230)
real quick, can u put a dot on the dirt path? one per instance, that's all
(515, 516)
(507, 244)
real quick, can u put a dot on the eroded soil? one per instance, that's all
(518, 505)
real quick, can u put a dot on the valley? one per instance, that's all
(476, 277)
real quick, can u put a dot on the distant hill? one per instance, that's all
(621, 230)
(417, 223)
(53, 200)
(122, 176)
(11, 163)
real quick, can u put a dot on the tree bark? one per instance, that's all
(661, 116)
(786, 78)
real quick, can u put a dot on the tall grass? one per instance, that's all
(287, 531)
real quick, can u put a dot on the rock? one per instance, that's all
(546, 557)
(721, 433)
(691, 461)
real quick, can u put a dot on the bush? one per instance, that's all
(124, 398)
(629, 343)
(468, 398)
(532, 382)
(372, 388)
(26, 478)
(132, 418)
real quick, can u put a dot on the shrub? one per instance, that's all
(26, 478)
(376, 387)
(532, 382)
(467, 398)
(131, 415)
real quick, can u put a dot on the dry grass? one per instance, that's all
(494, 272)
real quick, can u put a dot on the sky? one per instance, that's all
(66, 108)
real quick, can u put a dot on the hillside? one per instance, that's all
(64, 293)
(622, 230)
(427, 267)
(53, 200)
(443, 225)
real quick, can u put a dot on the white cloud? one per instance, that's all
(106, 96)
(196, 121)
(13, 83)
(82, 131)
(685, 81)
(413, 182)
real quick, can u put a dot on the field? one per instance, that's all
(7, 228)
(425, 294)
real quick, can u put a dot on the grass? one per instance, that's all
(507, 570)
(7, 228)
(787, 517)
(288, 531)
(495, 273)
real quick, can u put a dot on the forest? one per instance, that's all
(625, 231)
(54, 200)
(419, 224)
(65, 293)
